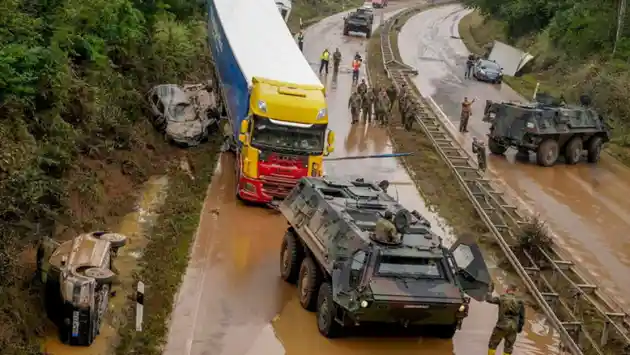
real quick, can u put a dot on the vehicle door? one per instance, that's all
(347, 276)
(470, 267)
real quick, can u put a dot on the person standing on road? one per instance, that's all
(382, 107)
(356, 66)
(362, 88)
(469, 64)
(479, 148)
(324, 58)
(366, 105)
(411, 111)
(465, 115)
(300, 40)
(354, 104)
(336, 61)
(510, 323)
(391, 95)
(402, 98)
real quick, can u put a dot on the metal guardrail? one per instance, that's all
(586, 320)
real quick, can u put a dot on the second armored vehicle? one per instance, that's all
(549, 129)
(359, 21)
(350, 276)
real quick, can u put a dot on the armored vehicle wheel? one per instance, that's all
(308, 284)
(594, 149)
(573, 151)
(496, 147)
(368, 33)
(290, 258)
(326, 311)
(547, 153)
(445, 331)
(345, 31)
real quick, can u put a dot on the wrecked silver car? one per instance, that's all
(184, 114)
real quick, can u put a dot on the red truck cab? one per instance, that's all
(379, 4)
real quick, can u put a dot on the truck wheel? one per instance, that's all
(308, 284)
(368, 34)
(326, 311)
(496, 147)
(345, 31)
(289, 258)
(547, 153)
(445, 331)
(573, 151)
(594, 149)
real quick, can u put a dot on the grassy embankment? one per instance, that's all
(605, 81)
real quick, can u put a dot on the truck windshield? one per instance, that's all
(414, 267)
(269, 135)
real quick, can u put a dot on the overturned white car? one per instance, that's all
(184, 114)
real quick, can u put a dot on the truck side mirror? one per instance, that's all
(244, 127)
(330, 139)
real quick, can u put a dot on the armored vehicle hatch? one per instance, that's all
(547, 127)
(358, 256)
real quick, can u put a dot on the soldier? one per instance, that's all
(469, 65)
(300, 40)
(391, 95)
(355, 106)
(465, 115)
(385, 231)
(401, 100)
(45, 250)
(336, 61)
(410, 113)
(384, 185)
(362, 88)
(366, 105)
(510, 323)
(381, 107)
(479, 148)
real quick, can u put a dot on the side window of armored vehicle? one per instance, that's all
(414, 267)
(356, 268)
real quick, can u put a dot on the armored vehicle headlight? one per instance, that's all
(530, 125)
(364, 304)
(462, 308)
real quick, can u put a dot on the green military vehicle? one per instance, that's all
(547, 127)
(360, 20)
(350, 278)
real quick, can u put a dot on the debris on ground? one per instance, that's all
(534, 233)
(184, 114)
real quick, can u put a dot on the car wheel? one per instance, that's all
(573, 151)
(496, 147)
(308, 284)
(547, 153)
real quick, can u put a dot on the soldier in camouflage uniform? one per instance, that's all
(391, 95)
(402, 97)
(479, 148)
(362, 88)
(510, 323)
(354, 104)
(366, 105)
(412, 108)
(45, 250)
(385, 231)
(381, 107)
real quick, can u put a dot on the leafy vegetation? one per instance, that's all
(573, 43)
(74, 139)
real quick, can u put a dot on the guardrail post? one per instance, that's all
(139, 305)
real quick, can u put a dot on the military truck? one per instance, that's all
(350, 278)
(79, 285)
(547, 127)
(360, 20)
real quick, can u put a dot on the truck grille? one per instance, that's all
(277, 186)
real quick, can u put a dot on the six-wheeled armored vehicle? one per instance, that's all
(547, 128)
(351, 278)
(360, 20)
(79, 285)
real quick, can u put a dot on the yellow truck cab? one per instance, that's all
(284, 138)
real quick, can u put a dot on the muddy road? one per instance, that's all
(233, 301)
(585, 205)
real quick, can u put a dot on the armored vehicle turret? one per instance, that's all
(350, 275)
(548, 128)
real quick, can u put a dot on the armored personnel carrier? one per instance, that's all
(548, 128)
(359, 21)
(350, 278)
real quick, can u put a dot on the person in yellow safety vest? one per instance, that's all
(324, 61)
(356, 65)
(45, 250)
